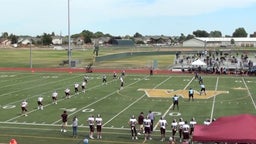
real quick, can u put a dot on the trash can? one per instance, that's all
(73, 63)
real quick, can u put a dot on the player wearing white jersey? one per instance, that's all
(67, 92)
(202, 89)
(133, 122)
(24, 110)
(83, 86)
(147, 125)
(180, 126)
(54, 97)
(192, 124)
(174, 126)
(162, 124)
(40, 103)
(91, 121)
(175, 101)
(122, 83)
(104, 79)
(99, 123)
(86, 78)
(76, 85)
(185, 130)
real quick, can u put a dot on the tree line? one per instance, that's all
(87, 36)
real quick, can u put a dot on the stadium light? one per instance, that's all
(69, 49)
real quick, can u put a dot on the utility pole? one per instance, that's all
(69, 49)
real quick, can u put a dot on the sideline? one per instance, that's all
(214, 99)
(249, 93)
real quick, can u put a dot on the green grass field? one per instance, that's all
(116, 107)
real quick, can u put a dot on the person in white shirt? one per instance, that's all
(133, 122)
(86, 78)
(147, 124)
(99, 123)
(180, 126)
(207, 122)
(91, 121)
(162, 124)
(83, 86)
(54, 97)
(192, 124)
(104, 79)
(24, 110)
(40, 103)
(67, 92)
(202, 89)
(122, 83)
(186, 129)
(174, 126)
(76, 85)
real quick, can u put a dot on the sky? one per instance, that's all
(127, 17)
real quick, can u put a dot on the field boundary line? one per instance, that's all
(214, 99)
(135, 101)
(249, 93)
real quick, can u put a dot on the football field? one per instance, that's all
(225, 95)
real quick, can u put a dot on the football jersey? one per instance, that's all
(40, 99)
(185, 128)
(91, 120)
(147, 122)
(67, 90)
(24, 104)
(174, 125)
(181, 123)
(98, 121)
(133, 122)
(76, 85)
(163, 123)
(192, 123)
(54, 94)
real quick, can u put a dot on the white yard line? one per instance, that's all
(214, 99)
(249, 93)
(135, 102)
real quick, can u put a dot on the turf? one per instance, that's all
(116, 107)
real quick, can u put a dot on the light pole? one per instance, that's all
(69, 49)
(30, 53)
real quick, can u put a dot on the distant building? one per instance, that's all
(122, 42)
(57, 40)
(219, 42)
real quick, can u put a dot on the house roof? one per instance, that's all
(212, 39)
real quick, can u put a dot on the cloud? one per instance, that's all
(146, 8)
(51, 15)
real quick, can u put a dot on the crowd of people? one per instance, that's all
(181, 130)
(217, 62)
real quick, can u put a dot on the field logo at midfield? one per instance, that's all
(167, 93)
